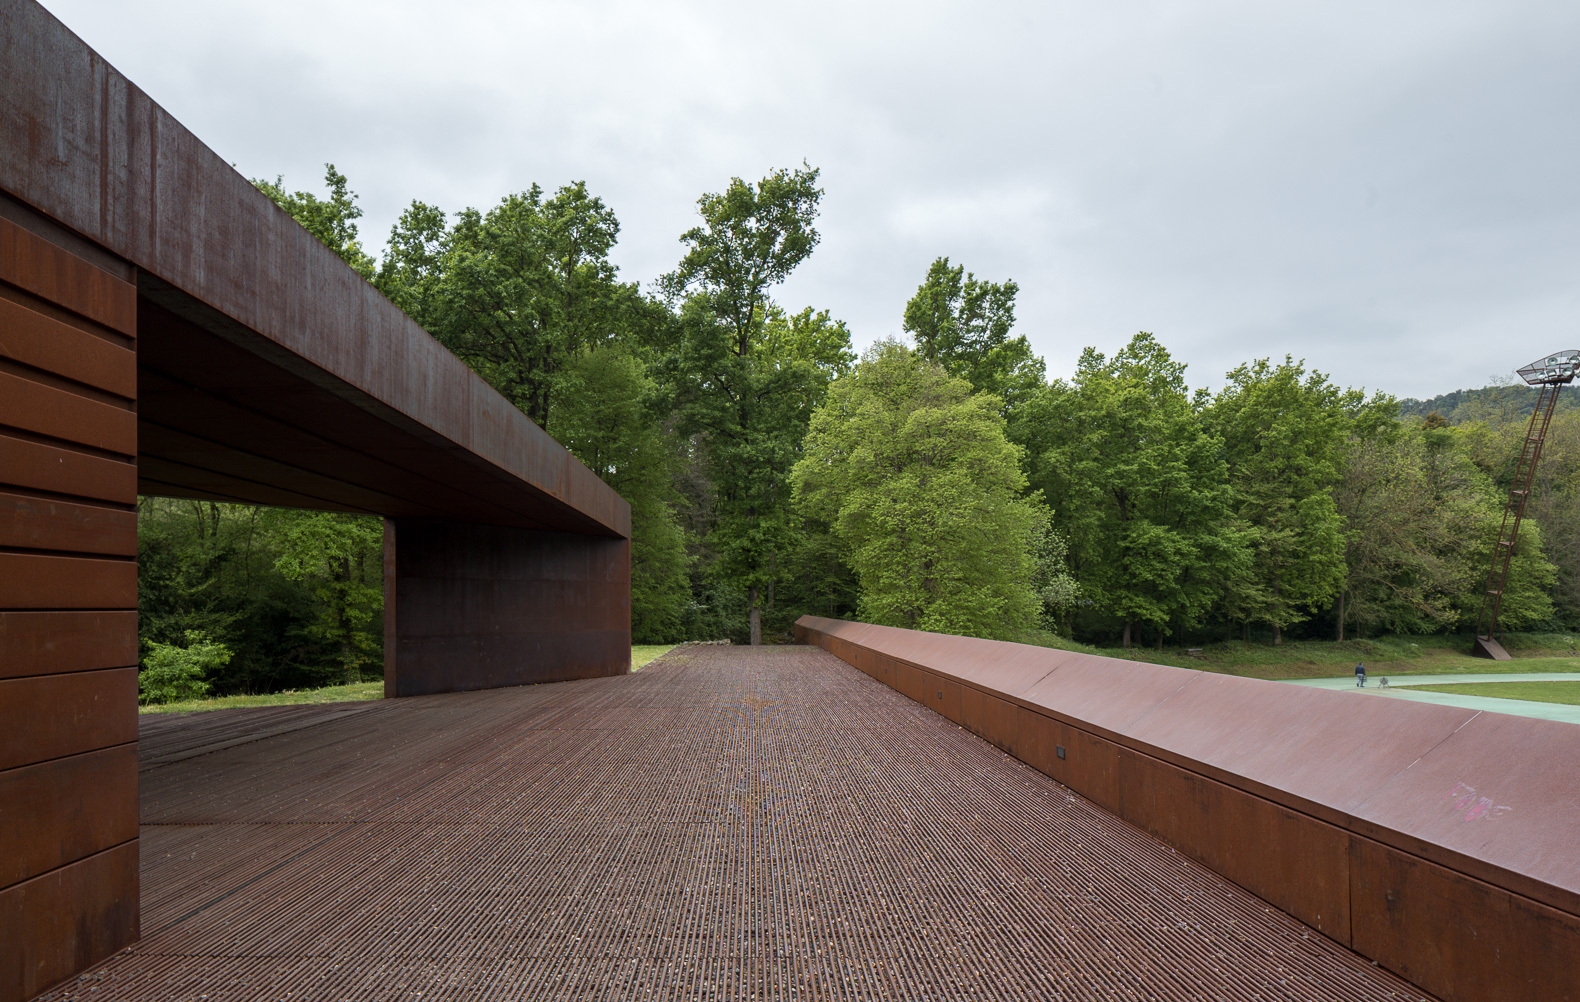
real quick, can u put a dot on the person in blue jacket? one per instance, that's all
(1360, 675)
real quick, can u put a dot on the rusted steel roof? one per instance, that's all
(727, 823)
(268, 370)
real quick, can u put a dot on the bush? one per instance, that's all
(171, 673)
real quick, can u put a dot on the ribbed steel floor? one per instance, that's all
(727, 824)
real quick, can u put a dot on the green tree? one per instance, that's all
(1140, 488)
(332, 220)
(964, 325)
(1555, 505)
(913, 472)
(210, 568)
(519, 291)
(1284, 433)
(339, 554)
(747, 382)
(751, 239)
(606, 418)
(1420, 521)
(172, 672)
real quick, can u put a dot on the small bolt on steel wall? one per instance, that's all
(1550, 374)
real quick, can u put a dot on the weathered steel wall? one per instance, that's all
(68, 604)
(482, 606)
(165, 327)
(1442, 843)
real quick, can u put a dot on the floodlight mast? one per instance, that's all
(1551, 374)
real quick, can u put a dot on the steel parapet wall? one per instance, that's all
(474, 606)
(1442, 843)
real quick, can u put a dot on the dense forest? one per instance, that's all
(940, 483)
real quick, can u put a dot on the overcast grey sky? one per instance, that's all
(1386, 189)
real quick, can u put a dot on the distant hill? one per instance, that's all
(1505, 403)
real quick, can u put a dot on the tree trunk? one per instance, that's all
(1160, 636)
(1278, 635)
(1127, 634)
(1341, 616)
(353, 671)
(756, 618)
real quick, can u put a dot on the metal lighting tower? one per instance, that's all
(1550, 374)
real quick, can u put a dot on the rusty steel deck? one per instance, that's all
(729, 823)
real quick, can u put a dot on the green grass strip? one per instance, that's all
(645, 654)
(640, 655)
(1391, 655)
(1540, 692)
(291, 697)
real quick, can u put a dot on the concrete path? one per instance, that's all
(1399, 688)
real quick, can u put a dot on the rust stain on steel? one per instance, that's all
(1304, 796)
(727, 823)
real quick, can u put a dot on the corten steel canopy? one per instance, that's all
(166, 329)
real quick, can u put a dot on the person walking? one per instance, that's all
(1360, 675)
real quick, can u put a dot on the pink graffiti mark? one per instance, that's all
(1475, 808)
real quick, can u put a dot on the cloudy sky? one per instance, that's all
(1385, 189)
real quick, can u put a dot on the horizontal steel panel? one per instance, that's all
(40, 523)
(60, 811)
(36, 265)
(43, 467)
(52, 643)
(48, 410)
(67, 920)
(69, 352)
(36, 581)
(51, 716)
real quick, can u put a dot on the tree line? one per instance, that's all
(940, 481)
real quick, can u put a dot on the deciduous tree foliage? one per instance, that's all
(519, 291)
(1284, 432)
(294, 596)
(1140, 488)
(610, 417)
(333, 220)
(1280, 504)
(964, 325)
(746, 382)
(913, 472)
(340, 556)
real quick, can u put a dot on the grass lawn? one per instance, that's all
(643, 654)
(1541, 692)
(640, 655)
(1392, 655)
(331, 694)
